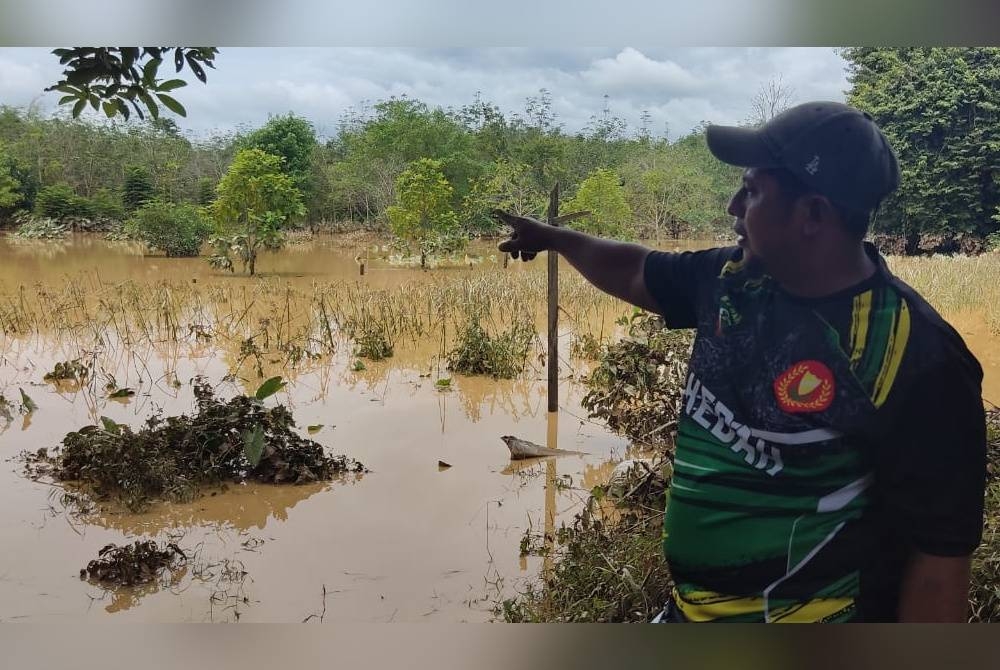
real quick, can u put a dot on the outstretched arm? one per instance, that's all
(614, 267)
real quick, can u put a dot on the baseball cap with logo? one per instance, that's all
(832, 148)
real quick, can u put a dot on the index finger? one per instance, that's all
(503, 216)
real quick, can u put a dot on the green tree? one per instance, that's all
(603, 196)
(58, 201)
(507, 186)
(175, 229)
(255, 199)
(940, 109)
(138, 188)
(10, 186)
(293, 139)
(424, 214)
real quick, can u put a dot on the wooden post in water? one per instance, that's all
(553, 301)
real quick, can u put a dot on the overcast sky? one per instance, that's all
(680, 87)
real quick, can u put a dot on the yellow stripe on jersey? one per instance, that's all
(859, 325)
(814, 611)
(894, 355)
(702, 606)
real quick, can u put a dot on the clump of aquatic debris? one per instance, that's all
(172, 458)
(132, 564)
(73, 370)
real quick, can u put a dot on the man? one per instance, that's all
(830, 458)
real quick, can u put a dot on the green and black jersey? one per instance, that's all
(820, 442)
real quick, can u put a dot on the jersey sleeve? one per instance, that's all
(931, 468)
(678, 282)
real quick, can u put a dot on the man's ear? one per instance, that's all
(817, 214)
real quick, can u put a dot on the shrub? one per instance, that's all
(175, 229)
(56, 201)
(639, 380)
(138, 189)
(501, 355)
(107, 204)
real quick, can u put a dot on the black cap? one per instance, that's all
(831, 147)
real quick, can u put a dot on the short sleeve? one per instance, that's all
(931, 467)
(677, 282)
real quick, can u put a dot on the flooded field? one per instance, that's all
(410, 540)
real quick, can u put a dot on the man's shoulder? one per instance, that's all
(935, 340)
(704, 262)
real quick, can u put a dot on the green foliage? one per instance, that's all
(424, 211)
(293, 139)
(112, 78)
(501, 355)
(269, 388)
(107, 204)
(603, 196)
(175, 229)
(673, 196)
(138, 188)
(60, 200)
(638, 382)
(603, 571)
(507, 186)
(10, 186)
(255, 199)
(938, 107)
(206, 191)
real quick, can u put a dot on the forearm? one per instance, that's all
(935, 589)
(612, 266)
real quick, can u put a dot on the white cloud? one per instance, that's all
(679, 87)
(631, 72)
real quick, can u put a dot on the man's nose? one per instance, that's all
(735, 207)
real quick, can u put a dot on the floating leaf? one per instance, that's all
(122, 393)
(29, 404)
(443, 383)
(269, 388)
(110, 426)
(253, 445)
(314, 428)
(358, 366)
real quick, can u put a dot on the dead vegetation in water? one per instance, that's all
(173, 458)
(984, 596)
(604, 570)
(132, 564)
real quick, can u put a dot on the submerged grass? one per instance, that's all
(955, 283)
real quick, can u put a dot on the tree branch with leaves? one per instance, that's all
(118, 79)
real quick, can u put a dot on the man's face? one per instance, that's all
(763, 224)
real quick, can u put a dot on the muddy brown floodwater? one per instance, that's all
(409, 541)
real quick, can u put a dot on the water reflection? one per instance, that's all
(239, 507)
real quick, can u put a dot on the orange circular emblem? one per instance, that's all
(807, 386)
